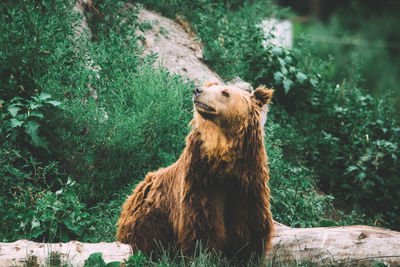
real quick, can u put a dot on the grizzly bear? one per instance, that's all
(217, 191)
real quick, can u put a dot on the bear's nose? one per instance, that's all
(197, 91)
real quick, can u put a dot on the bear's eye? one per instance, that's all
(224, 93)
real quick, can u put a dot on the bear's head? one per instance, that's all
(230, 108)
(226, 117)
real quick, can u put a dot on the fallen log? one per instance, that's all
(28, 253)
(348, 245)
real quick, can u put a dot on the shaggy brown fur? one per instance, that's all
(217, 191)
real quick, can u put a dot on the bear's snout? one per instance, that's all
(197, 91)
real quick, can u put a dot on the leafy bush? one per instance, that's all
(25, 117)
(56, 216)
(65, 171)
(33, 41)
(140, 125)
(345, 137)
(138, 122)
(30, 209)
(369, 32)
(294, 199)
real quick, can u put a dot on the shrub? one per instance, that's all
(369, 32)
(65, 170)
(25, 117)
(55, 216)
(294, 201)
(345, 137)
(30, 207)
(34, 40)
(137, 123)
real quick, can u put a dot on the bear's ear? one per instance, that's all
(262, 96)
(208, 84)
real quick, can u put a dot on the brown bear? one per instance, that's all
(217, 191)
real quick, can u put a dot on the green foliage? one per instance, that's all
(348, 140)
(33, 43)
(25, 117)
(204, 257)
(368, 32)
(68, 159)
(351, 139)
(30, 209)
(105, 215)
(56, 213)
(129, 133)
(137, 259)
(363, 140)
(137, 124)
(294, 200)
(95, 260)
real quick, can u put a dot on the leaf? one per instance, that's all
(16, 123)
(301, 77)
(32, 129)
(13, 109)
(351, 168)
(54, 103)
(34, 106)
(282, 62)
(44, 96)
(346, 186)
(313, 82)
(327, 223)
(284, 70)
(95, 259)
(278, 76)
(361, 176)
(113, 264)
(35, 223)
(70, 224)
(288, 59)
(287, 84)
(37, 114)
(35, 232)
(277, 51)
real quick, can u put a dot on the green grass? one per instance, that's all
(206, 258)
(68, 160)
(201, 257)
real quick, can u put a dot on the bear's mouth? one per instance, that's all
(203, 106)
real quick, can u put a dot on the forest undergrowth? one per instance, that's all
(68, 159)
